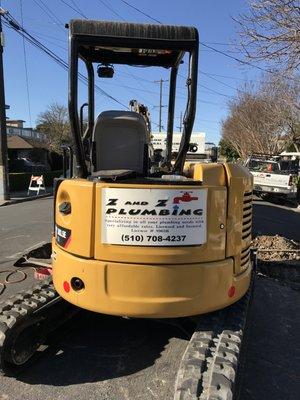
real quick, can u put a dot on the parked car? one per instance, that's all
(26, 165)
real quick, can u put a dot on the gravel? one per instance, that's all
(276, 248)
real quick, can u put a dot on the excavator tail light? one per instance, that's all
(231, 291)
(66, 286)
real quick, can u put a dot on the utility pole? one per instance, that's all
(4, 184)
(180, 122)
(161, 81)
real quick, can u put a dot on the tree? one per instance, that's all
(263, 119)
(54, 122)
(227, 150)
(270, 32)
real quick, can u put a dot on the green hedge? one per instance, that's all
(20, 180)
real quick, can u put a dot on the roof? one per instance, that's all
(18, 142)
(133, 31)
(129, 43)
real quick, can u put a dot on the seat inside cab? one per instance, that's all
(120, 142)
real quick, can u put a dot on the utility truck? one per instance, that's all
(273, 176)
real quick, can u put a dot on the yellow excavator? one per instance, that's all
(139, 238)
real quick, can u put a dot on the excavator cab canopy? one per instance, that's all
(110, 43)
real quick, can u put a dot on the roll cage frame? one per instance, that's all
(93, 41)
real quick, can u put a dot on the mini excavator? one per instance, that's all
(140, 240)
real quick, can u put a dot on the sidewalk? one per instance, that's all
(21, 196)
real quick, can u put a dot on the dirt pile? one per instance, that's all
(276, 248)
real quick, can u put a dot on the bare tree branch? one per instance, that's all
(270, 31)
(54, 122)
(263, 119)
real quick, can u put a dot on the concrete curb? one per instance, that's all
(24, 199)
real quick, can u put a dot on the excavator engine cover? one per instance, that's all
(155, 248)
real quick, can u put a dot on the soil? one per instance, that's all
(276, 248)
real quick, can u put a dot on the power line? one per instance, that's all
(208, 102)
(137, 77)
(77, 10)
(25, 65)
(48, 36)
(140, 11)
(211, 48)
(217, 80)
(138, 80)
(126, 87)
(213, 91)
(208, 88)
(235, 58)
(212, 51)
(206, 45)
(134, 89)
(76, 6)
(221, 76)
(219, 43)
(112, 10)
(52, 43)
(43, 22)
(209, 120)
(50, 14)
(154, 19)
(13, 23)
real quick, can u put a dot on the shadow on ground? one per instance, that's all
(96, 348)
(275, 221)
(272, 355)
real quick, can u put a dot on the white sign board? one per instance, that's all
(153, 217)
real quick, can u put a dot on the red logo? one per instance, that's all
(185, 198)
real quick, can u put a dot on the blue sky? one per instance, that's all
(220, 75)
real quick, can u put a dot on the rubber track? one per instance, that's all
(209, 366)
(20, 307)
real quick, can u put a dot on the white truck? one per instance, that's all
(197, 142)
(273, 179)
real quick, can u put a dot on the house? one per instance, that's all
(16, 127)
(28, 149)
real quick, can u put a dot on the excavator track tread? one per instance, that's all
(210, 363)
(19, 309)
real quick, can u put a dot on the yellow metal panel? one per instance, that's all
(240, 184)
(237, 171)
(141, 290)
(209, 174)
(80, 193)
(158, 281)
(213, 249)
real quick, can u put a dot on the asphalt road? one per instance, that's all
(23, 226)
(274, 219)
(272, 359)
(102, 357)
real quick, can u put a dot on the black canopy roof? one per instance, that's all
(128, 43)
